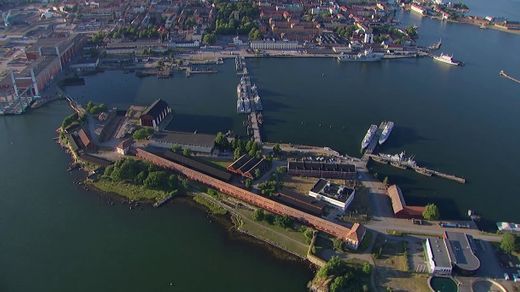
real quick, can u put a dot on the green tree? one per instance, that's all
(209, 38)
(221, 141)
(186, 152)
(338, 244)
(176, 148)
(258, 215)
(248, 183)
(141, 176)
(142, 133)
(431, 212)
(156, 180)
(284, 221)
(258, 173)
(339, 284)
(508, 243)
(411, 31)
(277, 150)
(367, 268)
(173, 182)
(212, 192)
(255, 34)
(308, 233)
(237, 153)
(108, 170)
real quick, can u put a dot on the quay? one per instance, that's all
(190, 70)
(505, 75)
(418, 169)
(430, 172)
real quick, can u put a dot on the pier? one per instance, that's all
(505, 75)
(254, 123)
(410, 164)
(374, 142)
(190, 70)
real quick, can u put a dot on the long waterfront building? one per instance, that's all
(351, 236)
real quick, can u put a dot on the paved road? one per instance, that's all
(383, 220)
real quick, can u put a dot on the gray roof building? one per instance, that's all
(462, 252)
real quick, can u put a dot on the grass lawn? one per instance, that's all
(212, 207)
(297, 185)
(288, 239)
(392, 267)
(129, 191)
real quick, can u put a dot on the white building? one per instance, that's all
(418, 9)
(439, 262)
(336, 195)
(274, 45)
(369, 38)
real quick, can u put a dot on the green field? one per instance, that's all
(129, 191)
(287, 239)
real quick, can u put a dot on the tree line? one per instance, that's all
(144, 174)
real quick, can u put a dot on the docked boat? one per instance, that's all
(436, 45)
(399, 159)
(365, 56)
(368, 136)
(447, 59)
(508, 227)
(389, 126)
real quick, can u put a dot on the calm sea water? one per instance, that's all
(56, 237)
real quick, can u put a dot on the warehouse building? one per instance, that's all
(200, 143)
(401, 210)
(155, 114)
(321, 169)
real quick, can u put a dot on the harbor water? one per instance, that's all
(58, 237)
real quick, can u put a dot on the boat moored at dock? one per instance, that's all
(508, 227)
(447, 59)
(389, 126)
(365, 56)
(369, 136)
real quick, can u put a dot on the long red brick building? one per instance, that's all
(351, 236)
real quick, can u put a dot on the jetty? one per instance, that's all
(190, 70)
(505, 75)
(254, 123)
(162, 201)
(400, 161)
